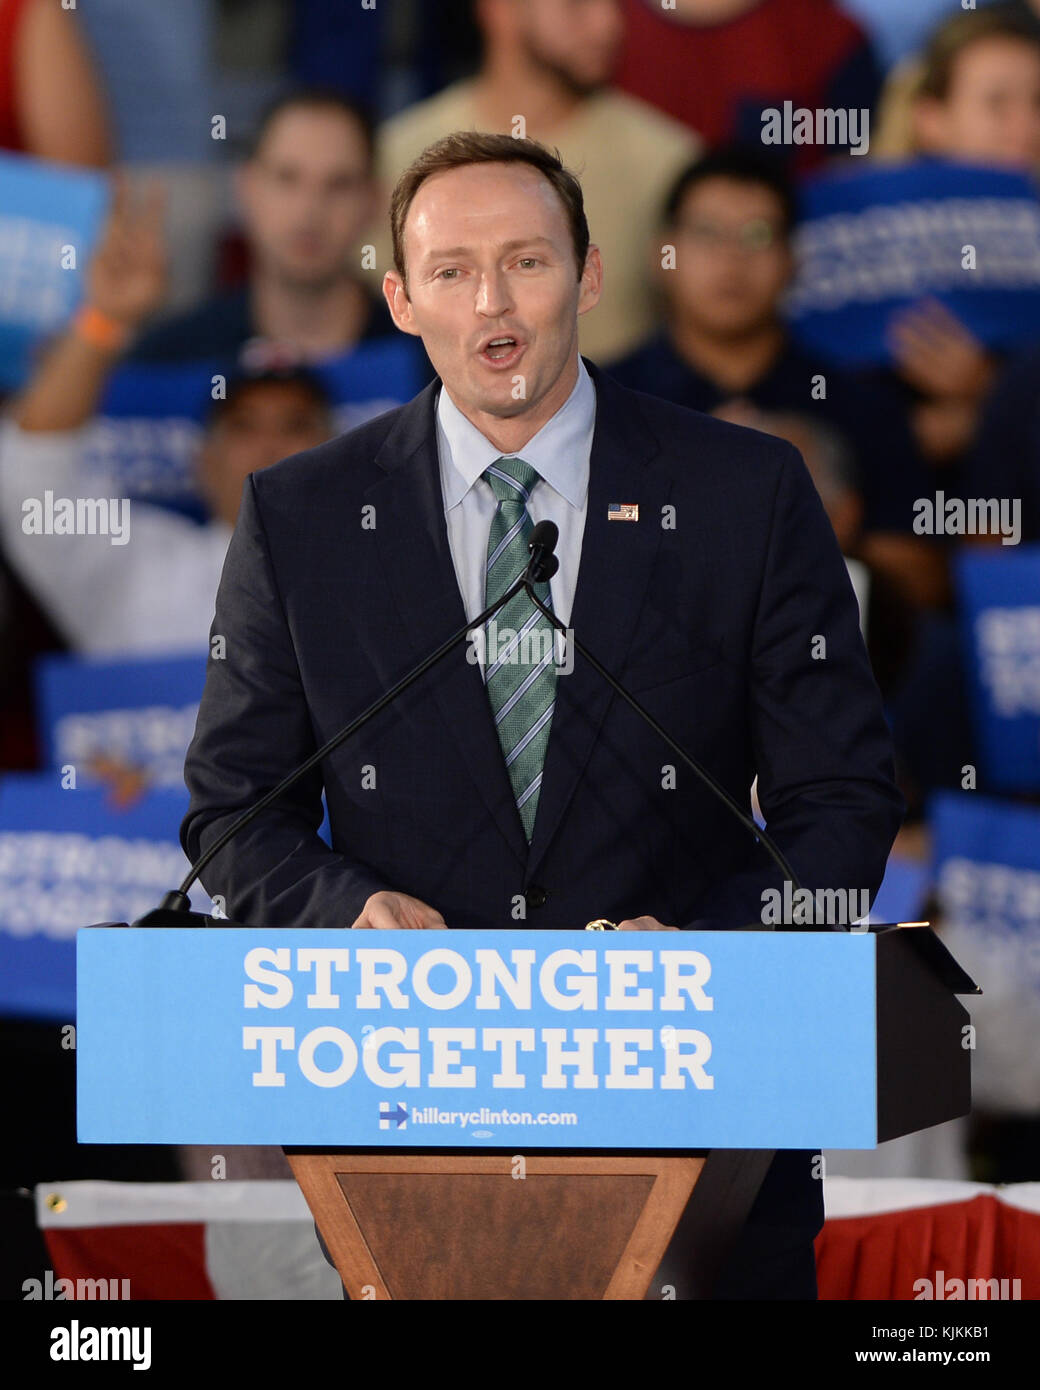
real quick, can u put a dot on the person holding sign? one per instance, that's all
(120, 575)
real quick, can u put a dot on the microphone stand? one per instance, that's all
(702, 772)
(175, 908)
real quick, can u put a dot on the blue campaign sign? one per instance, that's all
(140, 714)
(45, 209)
(439, 1038)
(872, 241)
(109, 717)
(67, 856)
(999, 605)
(382, 373)
(149, 430)
(987, 877)
(987, 863)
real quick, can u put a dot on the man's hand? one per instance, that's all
(389, 910)
(643, 924)
(124, 282)
(943, 428)
(126, 782)
(936, 353)
(126, 276)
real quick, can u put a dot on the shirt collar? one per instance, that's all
(559, 451)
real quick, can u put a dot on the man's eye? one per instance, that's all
(450, 273)
(527, 261)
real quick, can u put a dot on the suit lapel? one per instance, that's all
(417, 560)
(617, 558)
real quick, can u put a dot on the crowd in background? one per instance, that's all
(253, 147)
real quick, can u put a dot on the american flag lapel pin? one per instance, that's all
(622, 511)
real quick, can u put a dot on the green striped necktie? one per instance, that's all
(520, 672)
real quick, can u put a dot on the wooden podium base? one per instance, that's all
(480, 1226)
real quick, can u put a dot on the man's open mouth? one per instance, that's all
(502, 348)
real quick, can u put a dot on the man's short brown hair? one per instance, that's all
(317, 99)
(464, 147)
(959, 32)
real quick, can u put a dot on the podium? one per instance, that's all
(600, 1130)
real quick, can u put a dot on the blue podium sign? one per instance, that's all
(449, 1039)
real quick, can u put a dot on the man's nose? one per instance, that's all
(492, 295)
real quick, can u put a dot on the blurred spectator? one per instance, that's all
(153, 589)
(51, 104)
(1006, 459)
(979, 93)
(971, 94)
(306, 193)
(974, 96)
(730, 218)
(546, 68)
(943, 374)
(717, 64)
(887, 616)
(156, 592)
(51, 107)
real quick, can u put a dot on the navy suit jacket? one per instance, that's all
(726, 609)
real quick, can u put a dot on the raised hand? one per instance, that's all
(126, 278)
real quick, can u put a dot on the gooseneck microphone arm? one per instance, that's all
(705, 776)
(542, 566)
(177, 901)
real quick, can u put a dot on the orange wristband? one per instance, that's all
(99, 330)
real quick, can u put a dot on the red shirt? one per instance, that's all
(11, 13)
(716, 78)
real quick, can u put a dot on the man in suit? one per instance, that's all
(504, 791)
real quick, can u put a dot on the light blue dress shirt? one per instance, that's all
(560, 452)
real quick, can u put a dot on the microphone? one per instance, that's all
(175, 908)
(541, 545)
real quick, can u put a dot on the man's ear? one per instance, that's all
(591, 281)
(398, 303)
